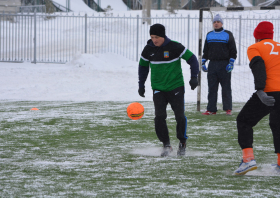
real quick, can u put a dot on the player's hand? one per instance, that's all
(141, 92)
(267, 100)
(204, 68)
(230, 66)
(193, 83)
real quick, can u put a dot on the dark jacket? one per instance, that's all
(219, 45)
(164, 61)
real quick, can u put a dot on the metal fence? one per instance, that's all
(56, 38)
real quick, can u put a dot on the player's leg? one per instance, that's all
(160, 103)
(177, 102)
(225, 81)
(274, 122)
(253, 111)
(213, 85)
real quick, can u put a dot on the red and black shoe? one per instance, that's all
(209, 113)
(228, 112)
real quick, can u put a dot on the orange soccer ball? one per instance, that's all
(135, 111)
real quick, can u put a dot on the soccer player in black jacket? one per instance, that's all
(220, 49)
(163, 57)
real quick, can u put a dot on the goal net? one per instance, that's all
(241, 22)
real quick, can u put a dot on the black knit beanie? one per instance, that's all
(157, 29)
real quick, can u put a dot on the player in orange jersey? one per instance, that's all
(264, 58)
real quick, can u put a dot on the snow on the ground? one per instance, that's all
(98, 77)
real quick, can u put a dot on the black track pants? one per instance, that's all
(176, 99)
(216, 75)
(253, 111)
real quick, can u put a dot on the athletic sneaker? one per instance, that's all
(246, 167)
(167, 149)
(277, 168)
(182, 149)
(209, 113)
(228, 112)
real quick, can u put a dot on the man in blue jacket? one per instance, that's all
(220, 49)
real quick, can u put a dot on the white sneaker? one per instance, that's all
(246, 167)
(277, 168)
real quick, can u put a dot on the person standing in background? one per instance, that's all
(220, 49)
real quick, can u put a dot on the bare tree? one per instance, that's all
(146, 11)
(234, 3)
(108, 11)
(49, 7)
(172, 5)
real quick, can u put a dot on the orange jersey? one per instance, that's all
(269, 51)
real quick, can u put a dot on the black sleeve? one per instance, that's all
(194, 66)
(258, 69)
(205, 50)
(232, 47)
(143, 72)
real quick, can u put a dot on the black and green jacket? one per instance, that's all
(165, 64)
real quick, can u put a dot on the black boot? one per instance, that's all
(182, 149)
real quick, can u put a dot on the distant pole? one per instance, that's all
(199, 59)
(35, 50)
(67, 5)
(85, 33)
(146, 11)
(159, 4)
(137, 38)
(98, 3)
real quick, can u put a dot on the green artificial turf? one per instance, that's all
(92, 149)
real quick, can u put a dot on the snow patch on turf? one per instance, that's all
(264, 170)
(156, 151)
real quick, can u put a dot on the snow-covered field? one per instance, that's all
(97, 77)
(82, 144)
(106, 76)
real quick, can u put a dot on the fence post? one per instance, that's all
(35, 36)
(85, 33)
(199, 59)
(239, 47)
(137, 37)
(188, 32)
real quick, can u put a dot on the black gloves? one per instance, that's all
(267, 100)
(193, 83)
(141, 92)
